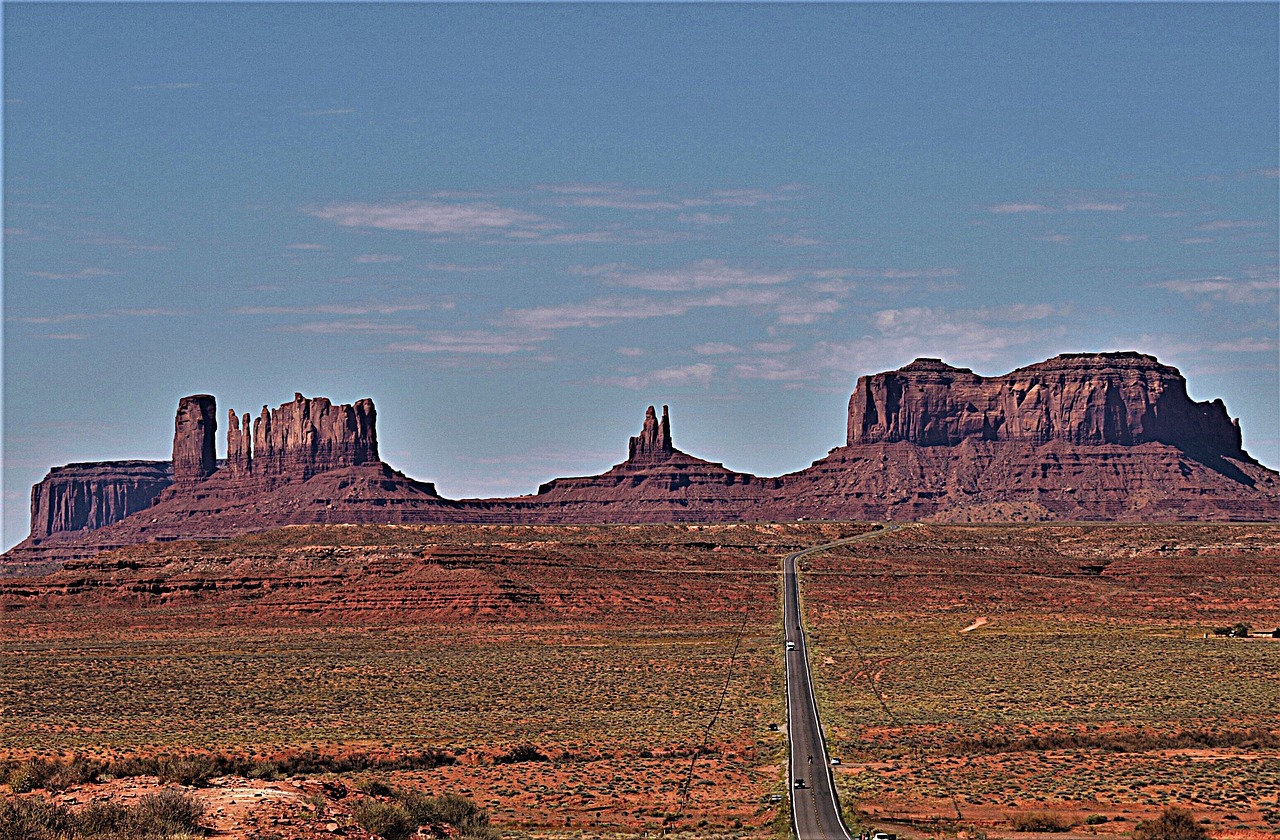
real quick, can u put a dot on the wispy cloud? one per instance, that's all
(1248, 345)
(1097, 207)
(1018, 207)
(707, 274)
(715, 348)
(672, 377)
(471, 342)
(168, 86)
(374, 259)
(1232, 224)
(594, 313)
(119, 242)
(307, 246)
(328, 112)
(350, 326)
(71, 317)
(1132, 237)
(1054, 238)
(82, 274)
(437, 217)
(359, 308)
(1258, 285)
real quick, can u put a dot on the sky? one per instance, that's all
(516, 226)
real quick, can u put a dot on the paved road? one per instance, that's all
(815, 813)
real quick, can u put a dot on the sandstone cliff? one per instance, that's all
(194, 430)
(304, 438)
(1081, 398)
(83, 497)
(654, 441)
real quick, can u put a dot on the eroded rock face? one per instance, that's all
(654, 440)
(194, 429)
(304, 438)
(84, 497)
(1080, 398)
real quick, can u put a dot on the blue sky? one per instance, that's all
(515, 226)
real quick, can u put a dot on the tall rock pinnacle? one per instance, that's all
(194, 427)
(654, 441)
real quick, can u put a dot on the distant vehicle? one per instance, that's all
(835, 762)
(884, 835)
(775, 797)
(799, 783)
(773, 727)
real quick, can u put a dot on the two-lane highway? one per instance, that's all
(815, 810)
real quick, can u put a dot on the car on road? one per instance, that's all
(884, 835)
(835, 762)
(791, 645)
(799, 783)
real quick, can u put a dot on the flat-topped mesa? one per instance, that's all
(194, 429)
(87, 496)
(303, 438)
(654, 441)
(1080, 398)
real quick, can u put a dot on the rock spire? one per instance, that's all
(654, 440)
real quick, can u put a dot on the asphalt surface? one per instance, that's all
(815, 811)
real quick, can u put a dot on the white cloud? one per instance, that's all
(328, 112)
(366, 308)
(350, 326)
(1132, 237)
(715, 348)
(473, 342)
(374, 259)
(1017, 207)
(82, 274)
(773, 370)
(595, 313)
(1248, 345)
(437, 217)
(1251, 289)
(707, 274)
(70, 317)
(1097, 206)
(306, 246)
(1055, 238)
(673, 377)
(629, 351)
(1231, 224)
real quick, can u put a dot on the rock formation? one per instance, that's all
(654, 440)
(1081, 398)
(306, 437)
(1091, 436)
(194, 429)
(84, 497)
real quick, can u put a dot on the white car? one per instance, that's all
(791, 645)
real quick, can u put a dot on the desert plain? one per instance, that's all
(626, 680)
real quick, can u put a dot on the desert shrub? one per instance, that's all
(189, 770)
(523, 752)
(99, 818)
(1039, 821)
(384, 819)
(128, 768)
(30, 775)
(77, 771)
(168, 812)
(374, 787)
(1173, 824)
(32, 818)
(1094, 819)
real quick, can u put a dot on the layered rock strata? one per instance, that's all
(1081, 436)
(1088, 399)
(194, 431)
(85, 497)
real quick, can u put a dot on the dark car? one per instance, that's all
(799, 783)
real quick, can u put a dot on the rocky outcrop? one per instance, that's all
(654, 441)
(84, 497)
(1086, 399)
(239, 445)
(194, 431)
(1098, 436)
(305, 437)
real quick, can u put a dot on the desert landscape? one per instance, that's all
(620, 681)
